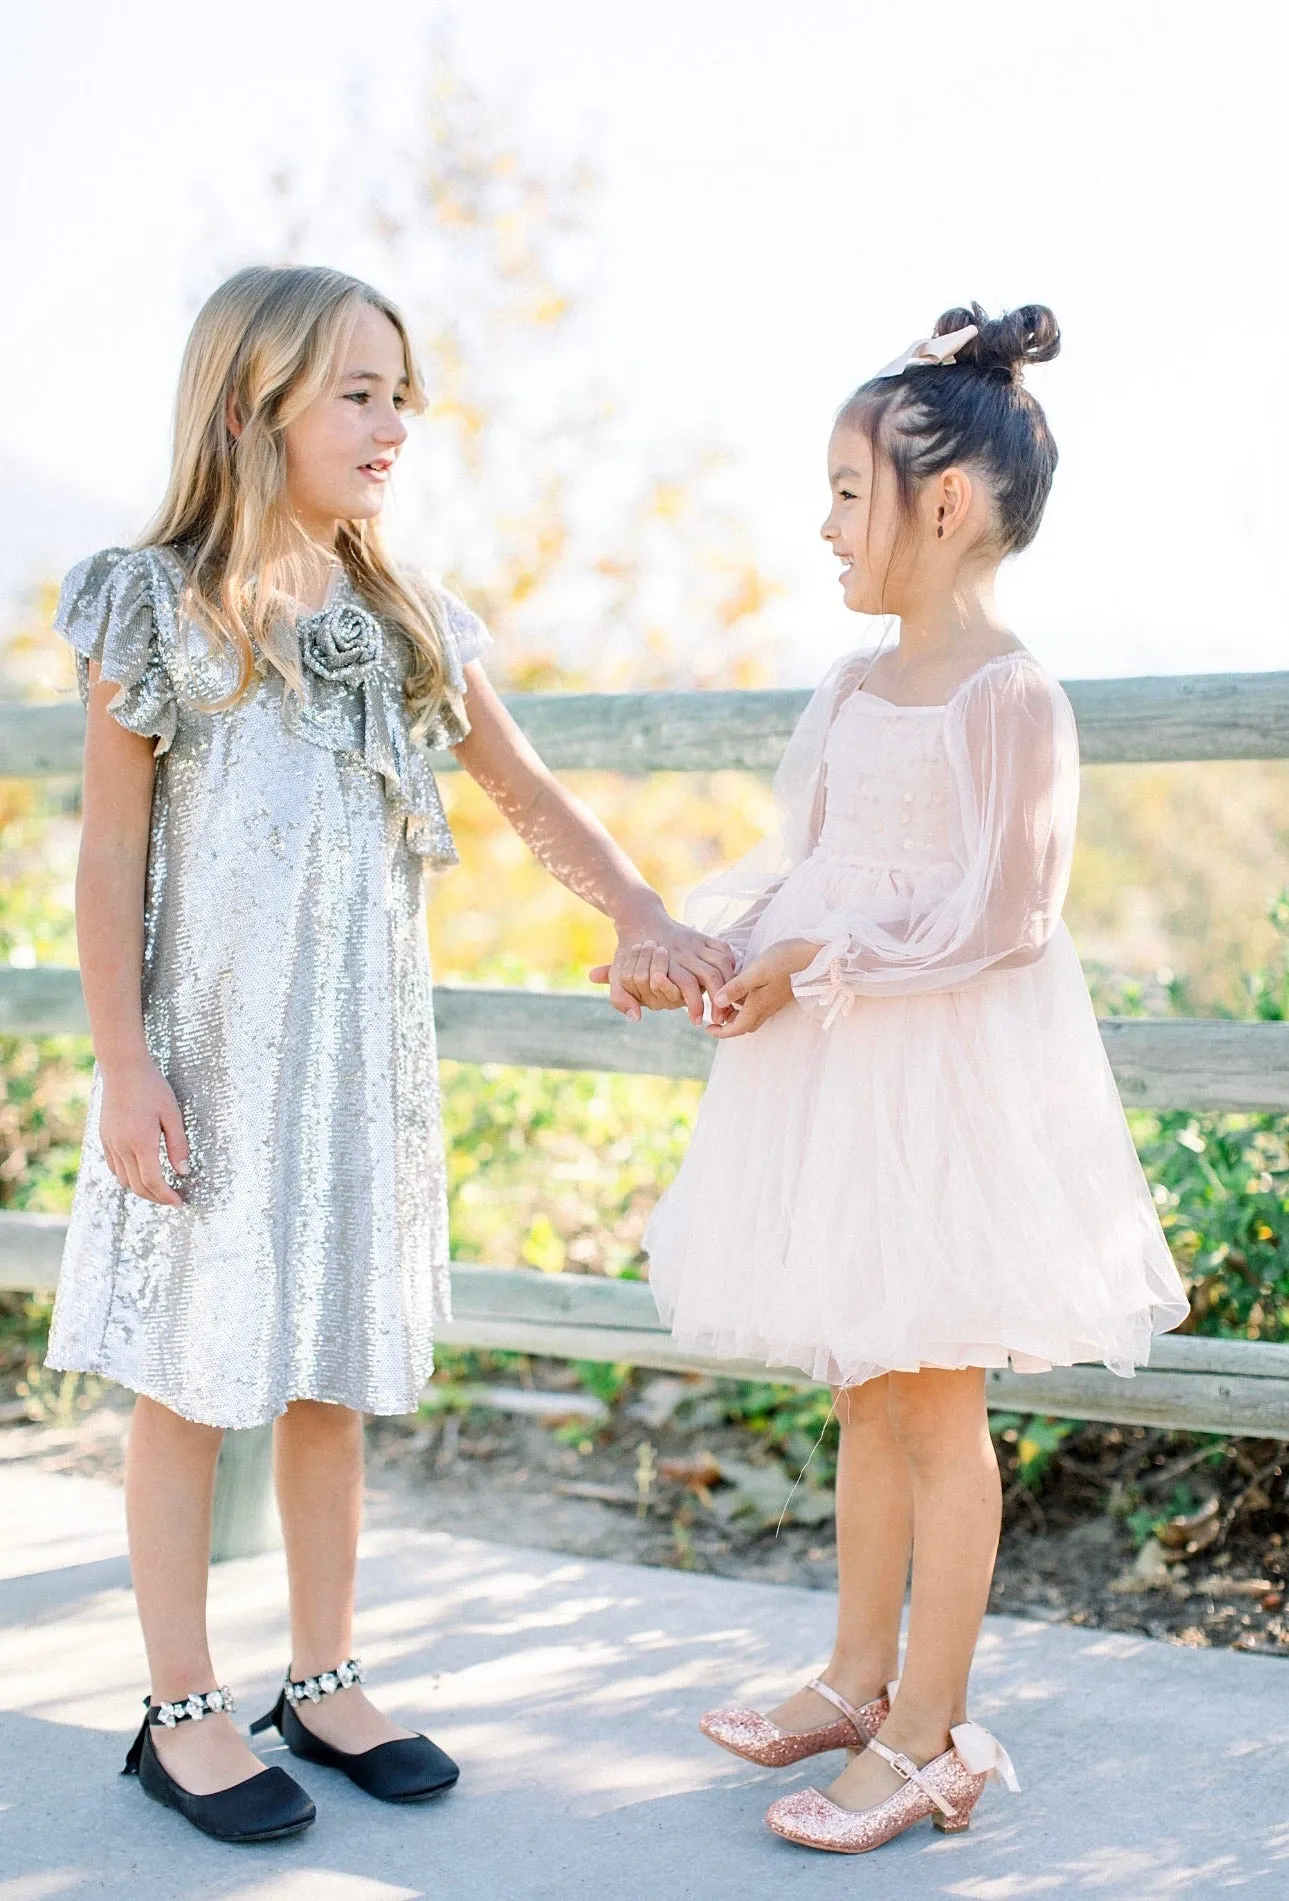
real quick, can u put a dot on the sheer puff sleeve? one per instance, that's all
(730, 904)
(118, 608)
(1014, 763)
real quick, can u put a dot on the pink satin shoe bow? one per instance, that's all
(930, 352)
(984, 1755)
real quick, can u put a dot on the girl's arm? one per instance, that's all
(572, 844)
(138, 1105)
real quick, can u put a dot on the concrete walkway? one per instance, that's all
(569, 1692)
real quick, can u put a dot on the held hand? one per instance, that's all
(139, 1111)
(761, 989)
(666, 971)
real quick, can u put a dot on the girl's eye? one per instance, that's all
(357, 395)
(848, 494)
(400, 402)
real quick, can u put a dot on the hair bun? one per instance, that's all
(1028, 334)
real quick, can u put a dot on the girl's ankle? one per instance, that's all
(859, 1683)
(919, 1734)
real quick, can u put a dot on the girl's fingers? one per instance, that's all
(710, 976)
(176, 1138)
(721, 955)
(154, 1185)
(620, 997)
(133, 1178)
(660, 990)
(642, 967)
(600, 973)
(732, 994)
(687, 991)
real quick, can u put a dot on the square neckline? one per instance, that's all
(935, 706)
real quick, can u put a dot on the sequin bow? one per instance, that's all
(930, 352)
(340, 643)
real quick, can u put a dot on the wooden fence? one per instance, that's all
(1194, 1383)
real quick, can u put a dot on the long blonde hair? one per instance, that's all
(265, 345)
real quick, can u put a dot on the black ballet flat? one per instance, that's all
(264, 1808)
(409, 1769)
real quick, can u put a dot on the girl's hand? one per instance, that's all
(761, 989)
(665, 971)
(139, 1110)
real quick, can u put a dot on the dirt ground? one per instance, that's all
(1166, 1535)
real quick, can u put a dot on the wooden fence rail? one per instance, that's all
(1183, 717)
(1199, 1384)
(1196, 1063)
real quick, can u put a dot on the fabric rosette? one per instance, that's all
(341, 643)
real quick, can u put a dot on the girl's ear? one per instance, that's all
(231, 417)
(952, 501)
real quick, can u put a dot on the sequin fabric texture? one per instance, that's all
(287, 1000)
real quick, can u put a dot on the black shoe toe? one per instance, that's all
(407, 1770)
(264, 1807)
(259, 1810)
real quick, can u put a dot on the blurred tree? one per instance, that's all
(597, 558)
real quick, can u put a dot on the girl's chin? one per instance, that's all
(366, 506)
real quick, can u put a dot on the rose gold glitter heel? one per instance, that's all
(947, 1789)
(748, 1734)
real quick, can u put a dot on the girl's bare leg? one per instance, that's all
(318, 1469)
(940, 1421)
(874, 1535)
(169, 1484)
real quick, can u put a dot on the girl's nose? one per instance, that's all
(393, 430)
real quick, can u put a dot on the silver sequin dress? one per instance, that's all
(287, 999)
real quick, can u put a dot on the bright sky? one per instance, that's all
(789, 195)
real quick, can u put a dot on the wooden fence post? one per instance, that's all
(245, 1521)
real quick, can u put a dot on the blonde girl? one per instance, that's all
(911, 1163)
(259, 1231)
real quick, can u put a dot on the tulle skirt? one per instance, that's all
(939, 1180)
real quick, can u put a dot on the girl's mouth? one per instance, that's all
(378, 469)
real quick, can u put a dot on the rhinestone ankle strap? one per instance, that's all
(326, 1683)
(192, 1708)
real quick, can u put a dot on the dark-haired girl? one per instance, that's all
(911, 1163)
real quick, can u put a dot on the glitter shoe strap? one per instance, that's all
(326, 1683)
(189, 1709)
(904, 1766)
(839, 1702)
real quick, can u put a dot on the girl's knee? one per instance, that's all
(152, 1420)
(935, 1413)
(865, 1407)
(319, 1419)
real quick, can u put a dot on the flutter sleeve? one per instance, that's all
(464, 638)
(469, 637)
(119, 608)
(730, 904)
(1014, 758)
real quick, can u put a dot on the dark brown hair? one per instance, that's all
(974, 413)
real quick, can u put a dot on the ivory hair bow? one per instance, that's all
(930, 352)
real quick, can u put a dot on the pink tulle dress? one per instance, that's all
(923, 1160)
